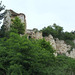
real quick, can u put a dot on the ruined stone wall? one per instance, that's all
(7, 20)
(33, 34)
(10, 14)
(38, 35)
(30, 33)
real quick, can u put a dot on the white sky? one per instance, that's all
(41, 13)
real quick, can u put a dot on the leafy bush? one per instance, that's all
(18, 25)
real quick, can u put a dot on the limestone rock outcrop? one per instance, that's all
(51, 40)
(71, 54)
(61, 46)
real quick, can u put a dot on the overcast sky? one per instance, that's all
(41, 13)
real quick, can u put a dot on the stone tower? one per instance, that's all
(10, 14)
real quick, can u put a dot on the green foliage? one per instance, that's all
(18, 55)
(15, 70)
(54, 30)
(57, 32)
(18, 25)
(69, 35)
(35, 30)
(21, 56)
(3, 31)
(64, 64)
(2, 7)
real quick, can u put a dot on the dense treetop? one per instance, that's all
(57, 32)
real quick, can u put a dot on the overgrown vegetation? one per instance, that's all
(57, 32)
(22, 56)
(2, 7)
(18, 26)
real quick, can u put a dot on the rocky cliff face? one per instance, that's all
(51, 40)
(71, 54)
(60, 46)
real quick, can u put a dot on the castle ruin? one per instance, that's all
(59, 45)
(10, 14)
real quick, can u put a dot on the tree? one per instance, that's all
(55, 30)
(2, 7)
(18, 25)
(18, 55)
